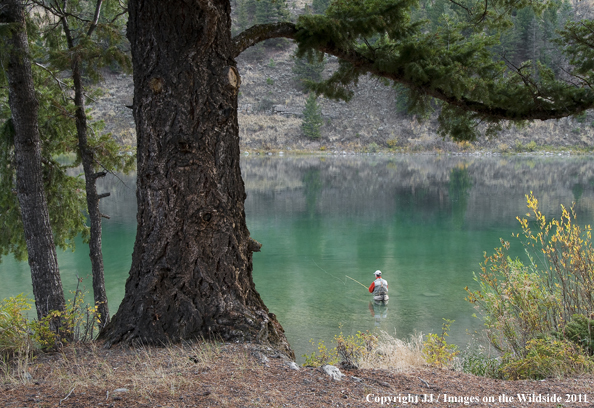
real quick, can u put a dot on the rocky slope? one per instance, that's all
(270, 106)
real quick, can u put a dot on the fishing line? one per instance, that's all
(358, 300)
(341, 281)
(335, 277)
(356, 281)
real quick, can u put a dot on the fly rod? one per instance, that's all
(356, 281)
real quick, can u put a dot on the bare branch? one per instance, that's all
(461, 6)
(113, 20)
(95, 17)
(262, 32)
(61, 84)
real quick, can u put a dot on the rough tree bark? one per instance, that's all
(45, 274)
(91, 175)
(191, 273)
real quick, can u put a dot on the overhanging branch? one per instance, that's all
(542, 111)
(262, 32)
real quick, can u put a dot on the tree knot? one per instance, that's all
(253, 245)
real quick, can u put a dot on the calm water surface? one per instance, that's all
(424, 221)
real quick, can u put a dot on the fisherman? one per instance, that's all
(379, 288)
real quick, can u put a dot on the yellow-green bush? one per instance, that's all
(15, 333)
(547, 357)
(580, 330)
(349, 350)
(322, 356)
(436, 349)
(523, 302)
(19, 336)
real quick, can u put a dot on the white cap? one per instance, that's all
(378, 273)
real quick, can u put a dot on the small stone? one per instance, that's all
(121, 390)
(293, 366)
(333, 372)
(260, 357)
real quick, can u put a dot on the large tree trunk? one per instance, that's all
(191, 274)
(45, 274)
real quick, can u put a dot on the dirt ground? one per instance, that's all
(253, 376)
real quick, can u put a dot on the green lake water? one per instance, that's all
(423, 220)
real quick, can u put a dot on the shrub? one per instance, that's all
(392, 143)
(349, 350)
(436, 349)
(20, 337)
(391, 353)
(474, 360)
(372, 147)
(322, 356)
(546, 357)
(579, 330)
(265, 105)
(464, 145)
(15, 338)
(522, 303)
(79, 324)
(503, 148)
(530, 147)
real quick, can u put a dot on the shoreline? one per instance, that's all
(249, 375)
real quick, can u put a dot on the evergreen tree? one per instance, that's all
(312, 117)
(320, 6)
(24, 140)
(87, 39)
(243, 18)
(271, 11)
(308, 72)
(68, 47)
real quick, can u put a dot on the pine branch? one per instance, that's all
(262, 32)
(363, 64)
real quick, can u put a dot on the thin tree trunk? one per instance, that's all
(91, 176)
(45, 274)
(191, 274)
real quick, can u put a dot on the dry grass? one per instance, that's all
(238, 375)
(395, 354)
(144, 371)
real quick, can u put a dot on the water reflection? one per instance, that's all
(459, 191)
(424, 221)
(379, 311)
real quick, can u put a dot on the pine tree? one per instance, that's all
(243, 18)
(80, 46)
(320, 6)
(87, 39)
(308, 72)
(25, 142)
(312, 117)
